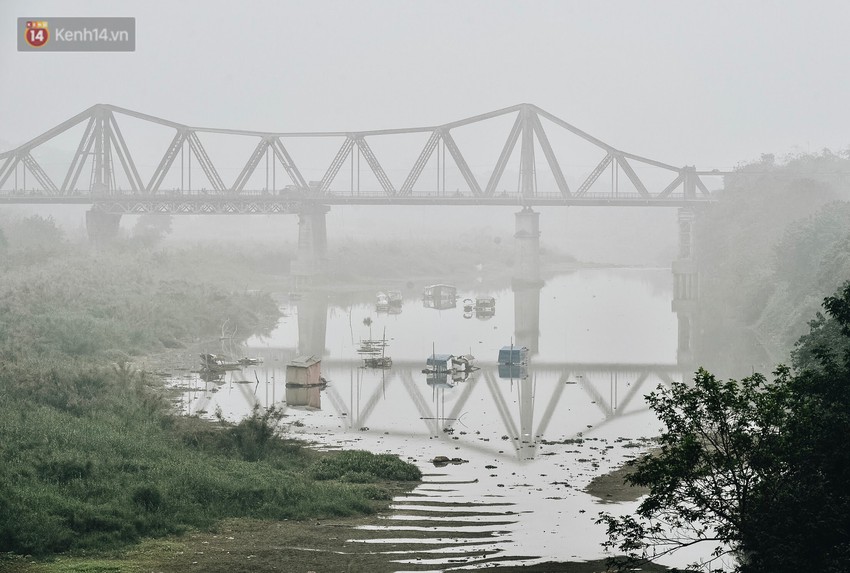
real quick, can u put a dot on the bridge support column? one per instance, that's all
(526, 283)
(527, 244)
(102, 227)
(686, 285)
(312, 252)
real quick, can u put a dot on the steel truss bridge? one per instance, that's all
(115, 184)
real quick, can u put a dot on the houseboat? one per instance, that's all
(439, 296)
(485, 307)
(513, 362)
(450, 364)
(382, 301)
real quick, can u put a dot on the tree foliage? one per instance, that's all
(758, 469)
(774, 245)
(151, 228)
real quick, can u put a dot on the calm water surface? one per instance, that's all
(599, 340)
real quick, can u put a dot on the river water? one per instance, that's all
(530, 440)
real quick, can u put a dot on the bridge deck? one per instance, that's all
(265, 203)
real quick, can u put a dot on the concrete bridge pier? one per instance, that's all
(526, 283)
(102, 227)
(312, 254)
(686, 286)
(527, 245)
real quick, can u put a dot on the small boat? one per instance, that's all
(513, 362)
(449, 364)
(439, 296)
(250, 361)
(382, 301)
(440, 291)
(376, 347)
(485, 307)
(463, 363)
(438, 363)
(378, 362)
(513, 355)
(370, 347)
(215, 363)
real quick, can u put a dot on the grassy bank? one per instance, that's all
(102, 463)
(91, 456)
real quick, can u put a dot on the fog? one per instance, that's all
(712, 85)
(554, 206)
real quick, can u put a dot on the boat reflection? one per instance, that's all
(508, 408)
(521, 404)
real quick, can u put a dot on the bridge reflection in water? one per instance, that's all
(550, 401)
(485, 412)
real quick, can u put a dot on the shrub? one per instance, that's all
(147, 497)
(360, 465)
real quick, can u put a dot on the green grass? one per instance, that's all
(92, 457)
(362, 467)
(104, 475)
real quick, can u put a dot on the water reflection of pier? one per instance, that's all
(526, 284)
(525, 408)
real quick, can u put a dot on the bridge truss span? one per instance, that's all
(98, 157)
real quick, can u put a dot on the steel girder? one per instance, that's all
(374, 165)
(259, 152)
(167, 161)
(206, 164)
(283, 156)
(34, 168)
(199, 206)
(421, 162)
(102, 140)
(336, 164)
(594, 175)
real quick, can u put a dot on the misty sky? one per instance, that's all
(711, 84)
(705, 83)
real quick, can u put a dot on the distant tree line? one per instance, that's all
(775, 244)
(758, 468)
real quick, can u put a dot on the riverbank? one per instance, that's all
(93, 434)
(250, 546)
(95, 459)
(612, 487)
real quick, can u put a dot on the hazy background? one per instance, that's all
(710, 84)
